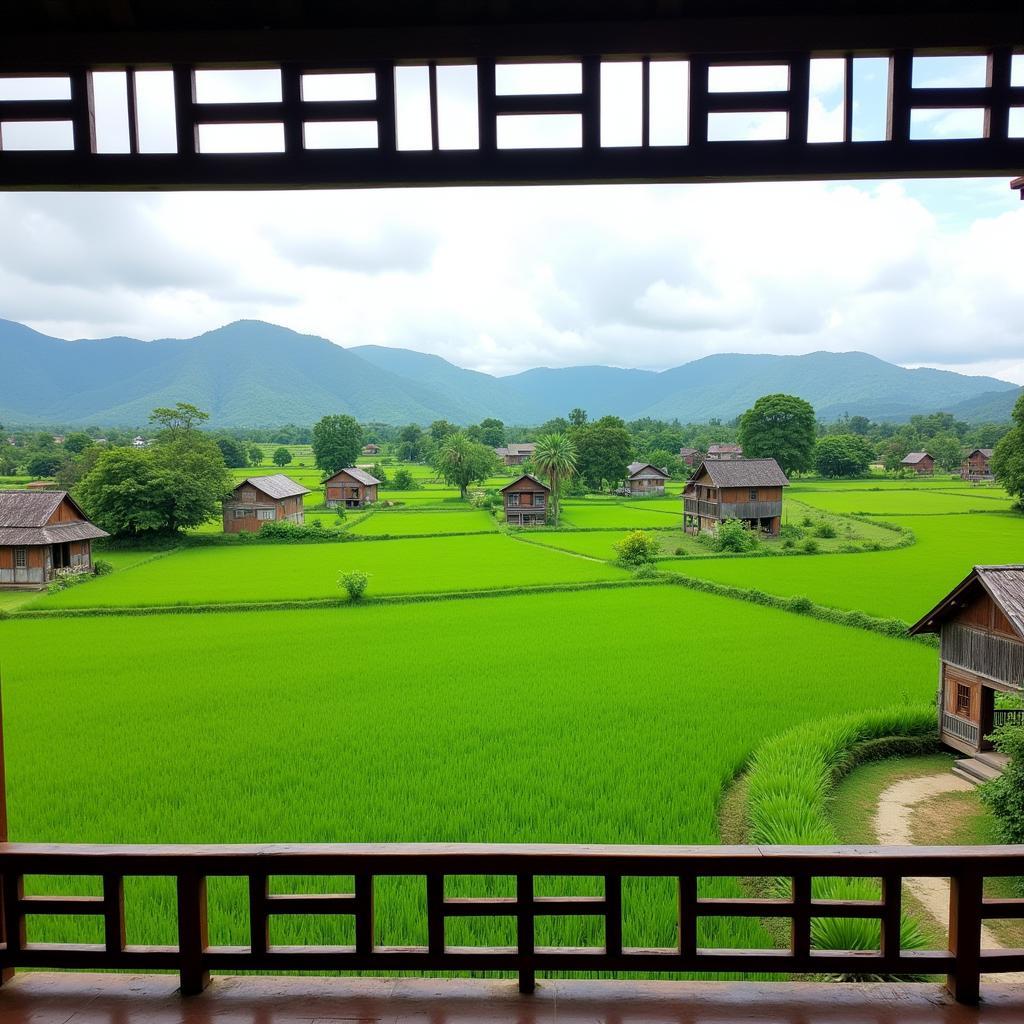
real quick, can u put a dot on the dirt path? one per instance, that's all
(891, 823)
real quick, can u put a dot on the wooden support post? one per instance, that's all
(613, 914)
(687, 917)
(259, 921)
(892, 915)
(364, 913)
(113, 913)
(524, 931)
(192, 934)
(965, 893)
(435, 914)
(800, 929)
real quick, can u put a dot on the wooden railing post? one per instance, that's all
(524, 931)
(113, 913)
(800, 930)
(965, 893)
(192, 933)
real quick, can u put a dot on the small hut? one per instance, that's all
(746, 489)
(351, 487)
(643, 478)
(977, 466)
(526, 501)
(263, 499)
(920, 462)
(980, 624)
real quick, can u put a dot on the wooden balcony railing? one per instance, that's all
(194, 958)
(733, 510)
(1007, 716)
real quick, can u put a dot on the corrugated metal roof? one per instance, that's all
(357, 474)
(275, 485)
(913, 458)
(1003, 583)
(28, 508)
(743, 473)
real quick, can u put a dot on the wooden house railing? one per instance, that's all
(1007, 716)
(194, 958)
(961, 728)
(733, 510)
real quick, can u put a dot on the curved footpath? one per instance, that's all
(891, 823)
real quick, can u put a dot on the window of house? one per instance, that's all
(241, 513)
(266, 513)
(963, 699)
(513, 500)
(20, 558)
(538, 499)
(753, 494)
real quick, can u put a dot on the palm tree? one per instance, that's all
(555, 457)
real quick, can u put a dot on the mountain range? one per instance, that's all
(252, 373)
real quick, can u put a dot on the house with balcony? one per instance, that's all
(351, 487)
(724, 453)
(920, 462)
(977, 466)
(746, 489)
(263, 499)
(42, 532)
(642, 479)
(980, 624)
(526, 501)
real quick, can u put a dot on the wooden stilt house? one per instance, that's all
(980, 623)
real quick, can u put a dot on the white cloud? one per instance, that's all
(503, 279)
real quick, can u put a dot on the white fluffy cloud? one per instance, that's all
(504, 279)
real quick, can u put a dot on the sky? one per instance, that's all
(503, 279)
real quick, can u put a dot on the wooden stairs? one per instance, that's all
(982, 767)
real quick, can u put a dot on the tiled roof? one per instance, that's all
(913, 458)
(357, 474)
(275, 485)
(743, 473)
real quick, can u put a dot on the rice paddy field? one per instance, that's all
(522, 717)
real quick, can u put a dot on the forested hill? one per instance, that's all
(251, 373)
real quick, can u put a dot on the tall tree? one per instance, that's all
(337, 442)
(555, 457)
(282, 456)
(577, 417)
(178, 419)
(462, 462)
(602, 451)
(838, 455)
(1008, 457)
(492, 432)
(780, 427)
(440, 429)
(235, 454)
(410, 443)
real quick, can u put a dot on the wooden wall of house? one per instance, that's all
(64, 513)
(735, 495)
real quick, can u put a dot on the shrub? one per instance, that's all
(732, 535)
(280, 531)
(101, 567)
(354, 582)
(800, 603)
(810, 546)
(341, 512)
(1005, 795)
(787, 543)
(807, 521)
(637, 548)
(380, 473)
(404, 481)
(646, 571)
(825, 529)
(65, 578)
(790, 531)
(680, 551)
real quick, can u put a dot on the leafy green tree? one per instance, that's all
(8, 462)
(378, 470)
(44, 463)
(837, 455)
(440, 429)
(555, 457)
(162, 489)
(77, 443)
(234, 452)
(780, 427)
(403, 481)
(946, 450)
(603, 450)
(255, 454)
(462, 462)
(1008, 456)
(354, 582)
(282, 456)
(492, 432)
(337, 442)
(74, 470)
(577, 417)
(410, 443)
(178, 419)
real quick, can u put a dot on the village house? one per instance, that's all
(689, 456)
(746, 489)
(371, 449)
(526, 501)
(139, 442)
(724, 452)
(263, 499)
(980, 624)
(351, 487)
(516, 454)
(977, 465)
(643, 478)
(920, 462)
(40, 533)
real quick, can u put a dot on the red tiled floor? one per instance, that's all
(44, 998)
